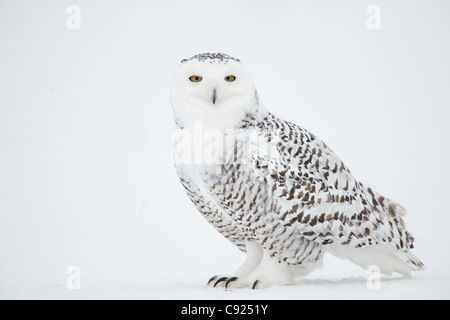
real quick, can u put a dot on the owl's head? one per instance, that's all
(214, 88)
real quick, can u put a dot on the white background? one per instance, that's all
(86, 176)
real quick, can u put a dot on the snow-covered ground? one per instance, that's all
(320, 285)
(86, 177)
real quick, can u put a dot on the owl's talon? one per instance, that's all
(230, 280)
(255, 284)
(220, 280)
(212, 279)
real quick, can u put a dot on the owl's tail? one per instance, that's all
(386, 258)
(410, 260)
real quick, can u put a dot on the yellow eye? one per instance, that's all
(230, 78)
(195, 78)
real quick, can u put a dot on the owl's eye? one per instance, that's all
(195, 78)
(230, 78)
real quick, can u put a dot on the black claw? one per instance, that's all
(212, 279)
(255, 284)
(230, 280)
(220, 280)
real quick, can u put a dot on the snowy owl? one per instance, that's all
(272, 188)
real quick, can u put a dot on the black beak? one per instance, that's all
(214, 96)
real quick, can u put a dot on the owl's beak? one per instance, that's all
(214, 96)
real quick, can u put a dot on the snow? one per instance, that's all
(426, 285)
(86, 177)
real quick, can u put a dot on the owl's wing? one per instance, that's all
(312, 190)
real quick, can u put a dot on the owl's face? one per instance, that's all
(213, 88)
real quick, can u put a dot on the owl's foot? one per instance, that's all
(269, 271)
(252, 261)
(244, 282)
(233, 282)
(249, 282)
(221, 281)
